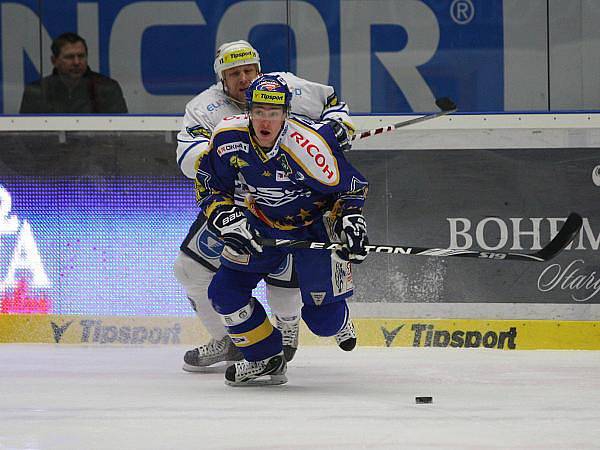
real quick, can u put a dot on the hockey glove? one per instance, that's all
(352, 230)
(230, 224)
(341, 134)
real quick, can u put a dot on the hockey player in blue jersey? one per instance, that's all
(236, 64)
(296, 184)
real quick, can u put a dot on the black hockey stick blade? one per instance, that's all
(445, 104)
(563, 238)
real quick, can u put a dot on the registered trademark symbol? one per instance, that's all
(462, 11)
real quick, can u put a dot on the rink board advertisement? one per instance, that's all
(105, 245)
(423, 333)
(381, 55)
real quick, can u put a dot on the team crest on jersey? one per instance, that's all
(236, 162)
(233, 147)
(310, 150)
(198, 131)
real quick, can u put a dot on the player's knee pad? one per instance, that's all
(327, 319)
(284, 302)
(193, 276)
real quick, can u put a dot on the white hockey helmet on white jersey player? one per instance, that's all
(234, 54)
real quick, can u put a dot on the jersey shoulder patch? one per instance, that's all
(231, 135)
(198, 131)
(311, 152)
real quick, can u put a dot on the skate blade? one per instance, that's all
(267, 380)
(219, 367)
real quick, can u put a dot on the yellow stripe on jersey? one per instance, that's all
(217, 131)
(253, 336)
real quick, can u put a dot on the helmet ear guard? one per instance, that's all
(234, 54)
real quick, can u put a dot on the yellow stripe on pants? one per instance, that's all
(253, 336)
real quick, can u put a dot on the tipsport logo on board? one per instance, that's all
(95, 331)
(574, 277)
(21, 266)
(430, 335)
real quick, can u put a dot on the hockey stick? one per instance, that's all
(563, 238)
(446, 105)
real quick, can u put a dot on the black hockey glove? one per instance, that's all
(341, 134)
(230, 224)
(352, 230)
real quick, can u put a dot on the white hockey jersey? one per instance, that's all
(202, 114)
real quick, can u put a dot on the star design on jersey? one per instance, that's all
(303, 214)
(266, 173)
(289, 218)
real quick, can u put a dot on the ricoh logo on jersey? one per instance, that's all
(517, 233)
(318, 162)
(232, 147)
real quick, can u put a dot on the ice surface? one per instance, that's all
(72, 397)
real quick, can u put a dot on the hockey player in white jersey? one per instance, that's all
(236, 65)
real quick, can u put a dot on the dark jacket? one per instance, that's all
(93, 93)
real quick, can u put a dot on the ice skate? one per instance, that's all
(268, 371)
(214, 352)
(290, 330)
(346, 337)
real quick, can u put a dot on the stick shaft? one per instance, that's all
(361, 134)
(563, 238)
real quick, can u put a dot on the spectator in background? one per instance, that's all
(73, 87)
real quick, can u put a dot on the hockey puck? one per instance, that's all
(419, 400)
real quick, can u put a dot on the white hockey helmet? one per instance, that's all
(233, 54)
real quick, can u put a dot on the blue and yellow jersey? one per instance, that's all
(287, 187)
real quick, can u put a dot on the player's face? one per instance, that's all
(71, 61)
(267, 122)
(237, 79)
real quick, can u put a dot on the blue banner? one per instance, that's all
(382, 56)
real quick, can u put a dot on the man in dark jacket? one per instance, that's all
(73, 87)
